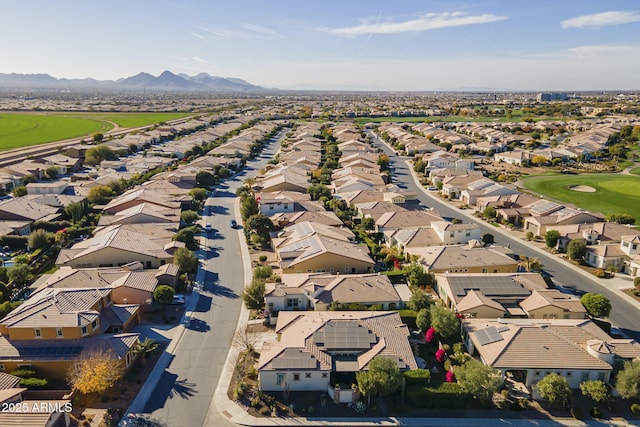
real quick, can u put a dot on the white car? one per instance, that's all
(178, 299)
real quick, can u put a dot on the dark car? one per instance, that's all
(234, 224)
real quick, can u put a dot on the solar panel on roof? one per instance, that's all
(488, 335)
(488, 285)
(50, 351)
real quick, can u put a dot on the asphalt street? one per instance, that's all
(623, 314)
(184, 392)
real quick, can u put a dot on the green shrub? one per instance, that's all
(417, 376)
(635, 408)
(34, 383)
(445, 395)
(595, 412)
(262, 258)
(525, 403)
(252, 372)
(636, 282)
(24, 373)
(600, 273)
(264, 410)
(577, 413)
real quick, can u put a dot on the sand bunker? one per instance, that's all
(582, 188)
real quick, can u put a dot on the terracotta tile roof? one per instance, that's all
(551, 297)
(475, 299)
(116, 345)
(317, 332)
(537, 344)
(57, 308)
(461, 256)
(8, 381)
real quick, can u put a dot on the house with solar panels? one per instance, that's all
(323, 350)
(524, 295)
(527, 350)
(56, 327)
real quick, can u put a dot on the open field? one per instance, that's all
(614, 192)
(26, 129)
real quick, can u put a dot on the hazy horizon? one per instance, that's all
(408, 46)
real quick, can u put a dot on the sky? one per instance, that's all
(396, 45)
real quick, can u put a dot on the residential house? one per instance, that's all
(593, 233)
(546, 215)
(52, 187)
(282, 220)
(605, 256)
(312, 247)
(139, 195)
(144, 213)
(57, 327)
(515, 157)
(23, 209)
(115, 245)
(317, 291)
(452, 234)
(465, 259)
(442, 159)
(130, 283)
(484, 188)
(316, 350)
(285, 201)
(529, 349)
(506, 295)
(65, 164)
(406, 219)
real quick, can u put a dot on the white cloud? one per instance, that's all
(429, 21)
(262, 30)
(602, 50)
(212, 31)
(199, 36)
(598, 20)
(199, 60)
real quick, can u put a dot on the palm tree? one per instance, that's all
(391, 253)
(529, 264)
(145, 347)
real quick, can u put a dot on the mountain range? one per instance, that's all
(165, 82)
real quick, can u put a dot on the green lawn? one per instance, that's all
(132, 120)
(25, 129)
(614, 193)
(635, 171)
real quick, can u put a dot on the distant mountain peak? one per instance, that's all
(166, 81)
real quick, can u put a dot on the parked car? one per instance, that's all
(207, 227)
(178, 299)
(234, 224)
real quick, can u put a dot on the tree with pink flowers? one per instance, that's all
(449, 377)
(430, 335)
(440, 354)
